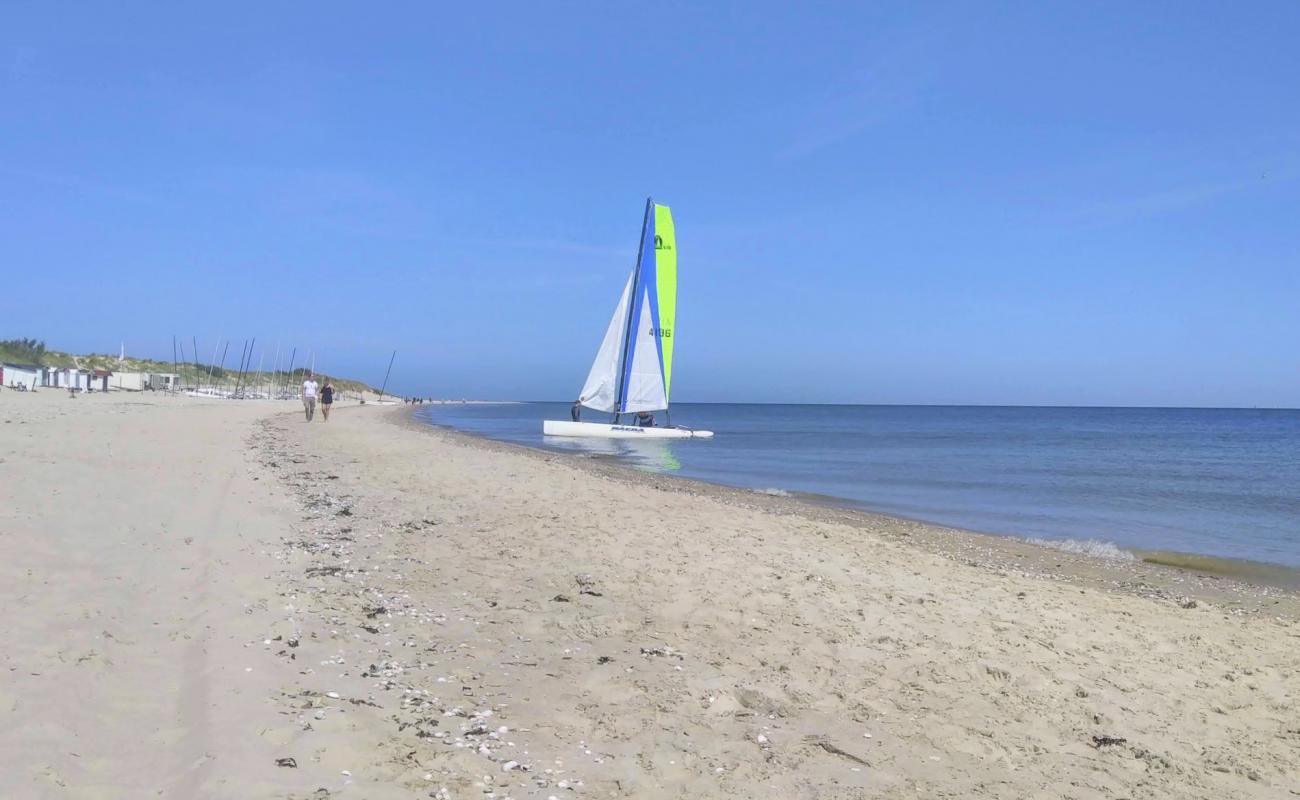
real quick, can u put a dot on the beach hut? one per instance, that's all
(129, 381)
(61, 377)
(98, 379)
(20, 376)
(69, 378)
(163, 381)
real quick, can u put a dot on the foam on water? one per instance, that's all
(1087, 547)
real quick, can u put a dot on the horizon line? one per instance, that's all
(946, 405)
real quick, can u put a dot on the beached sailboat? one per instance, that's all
(633, 369)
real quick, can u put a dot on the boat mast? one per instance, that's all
(619, 401)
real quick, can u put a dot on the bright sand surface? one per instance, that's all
(194, 589)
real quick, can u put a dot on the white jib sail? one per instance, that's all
(602, 381)
(645, 381)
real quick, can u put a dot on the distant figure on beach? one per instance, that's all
(309, 396)
(645, 419)
(576, 411)
(326, 398)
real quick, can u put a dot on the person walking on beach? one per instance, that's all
(576, 411)
(326, 398)
(309, 396)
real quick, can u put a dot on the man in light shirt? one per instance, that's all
(309, 396)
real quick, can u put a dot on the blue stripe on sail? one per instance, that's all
(646, 276)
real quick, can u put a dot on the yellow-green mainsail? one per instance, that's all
(665, 255)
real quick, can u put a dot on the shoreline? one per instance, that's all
(1214, 578)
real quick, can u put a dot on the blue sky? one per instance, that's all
(1092, 203)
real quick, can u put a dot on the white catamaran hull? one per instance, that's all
(552, 427)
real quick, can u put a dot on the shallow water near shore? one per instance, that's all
(1163, 485)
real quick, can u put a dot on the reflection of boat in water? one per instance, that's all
(634, 367)
(589, 445)
(652, 454)
(662, 454)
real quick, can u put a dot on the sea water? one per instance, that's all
(1216, 482)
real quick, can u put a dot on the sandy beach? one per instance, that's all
(198, 589)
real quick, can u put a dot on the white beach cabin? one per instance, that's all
(129, 381)
(163, 381)
(24, 376)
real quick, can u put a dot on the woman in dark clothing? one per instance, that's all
(326, 399)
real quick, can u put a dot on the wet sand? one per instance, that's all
(408, 612)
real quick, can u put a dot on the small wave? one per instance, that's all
(772, 492)
(1087, 547)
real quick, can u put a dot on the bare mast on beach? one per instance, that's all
(182, 365)
(288, 375)
(212, 362)
(386, 374)
(239, 371)
(243, 375)
(248, 368)
(275, 373)
(224, 349)
(227, 385)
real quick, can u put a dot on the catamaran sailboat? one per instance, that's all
(633, 369)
